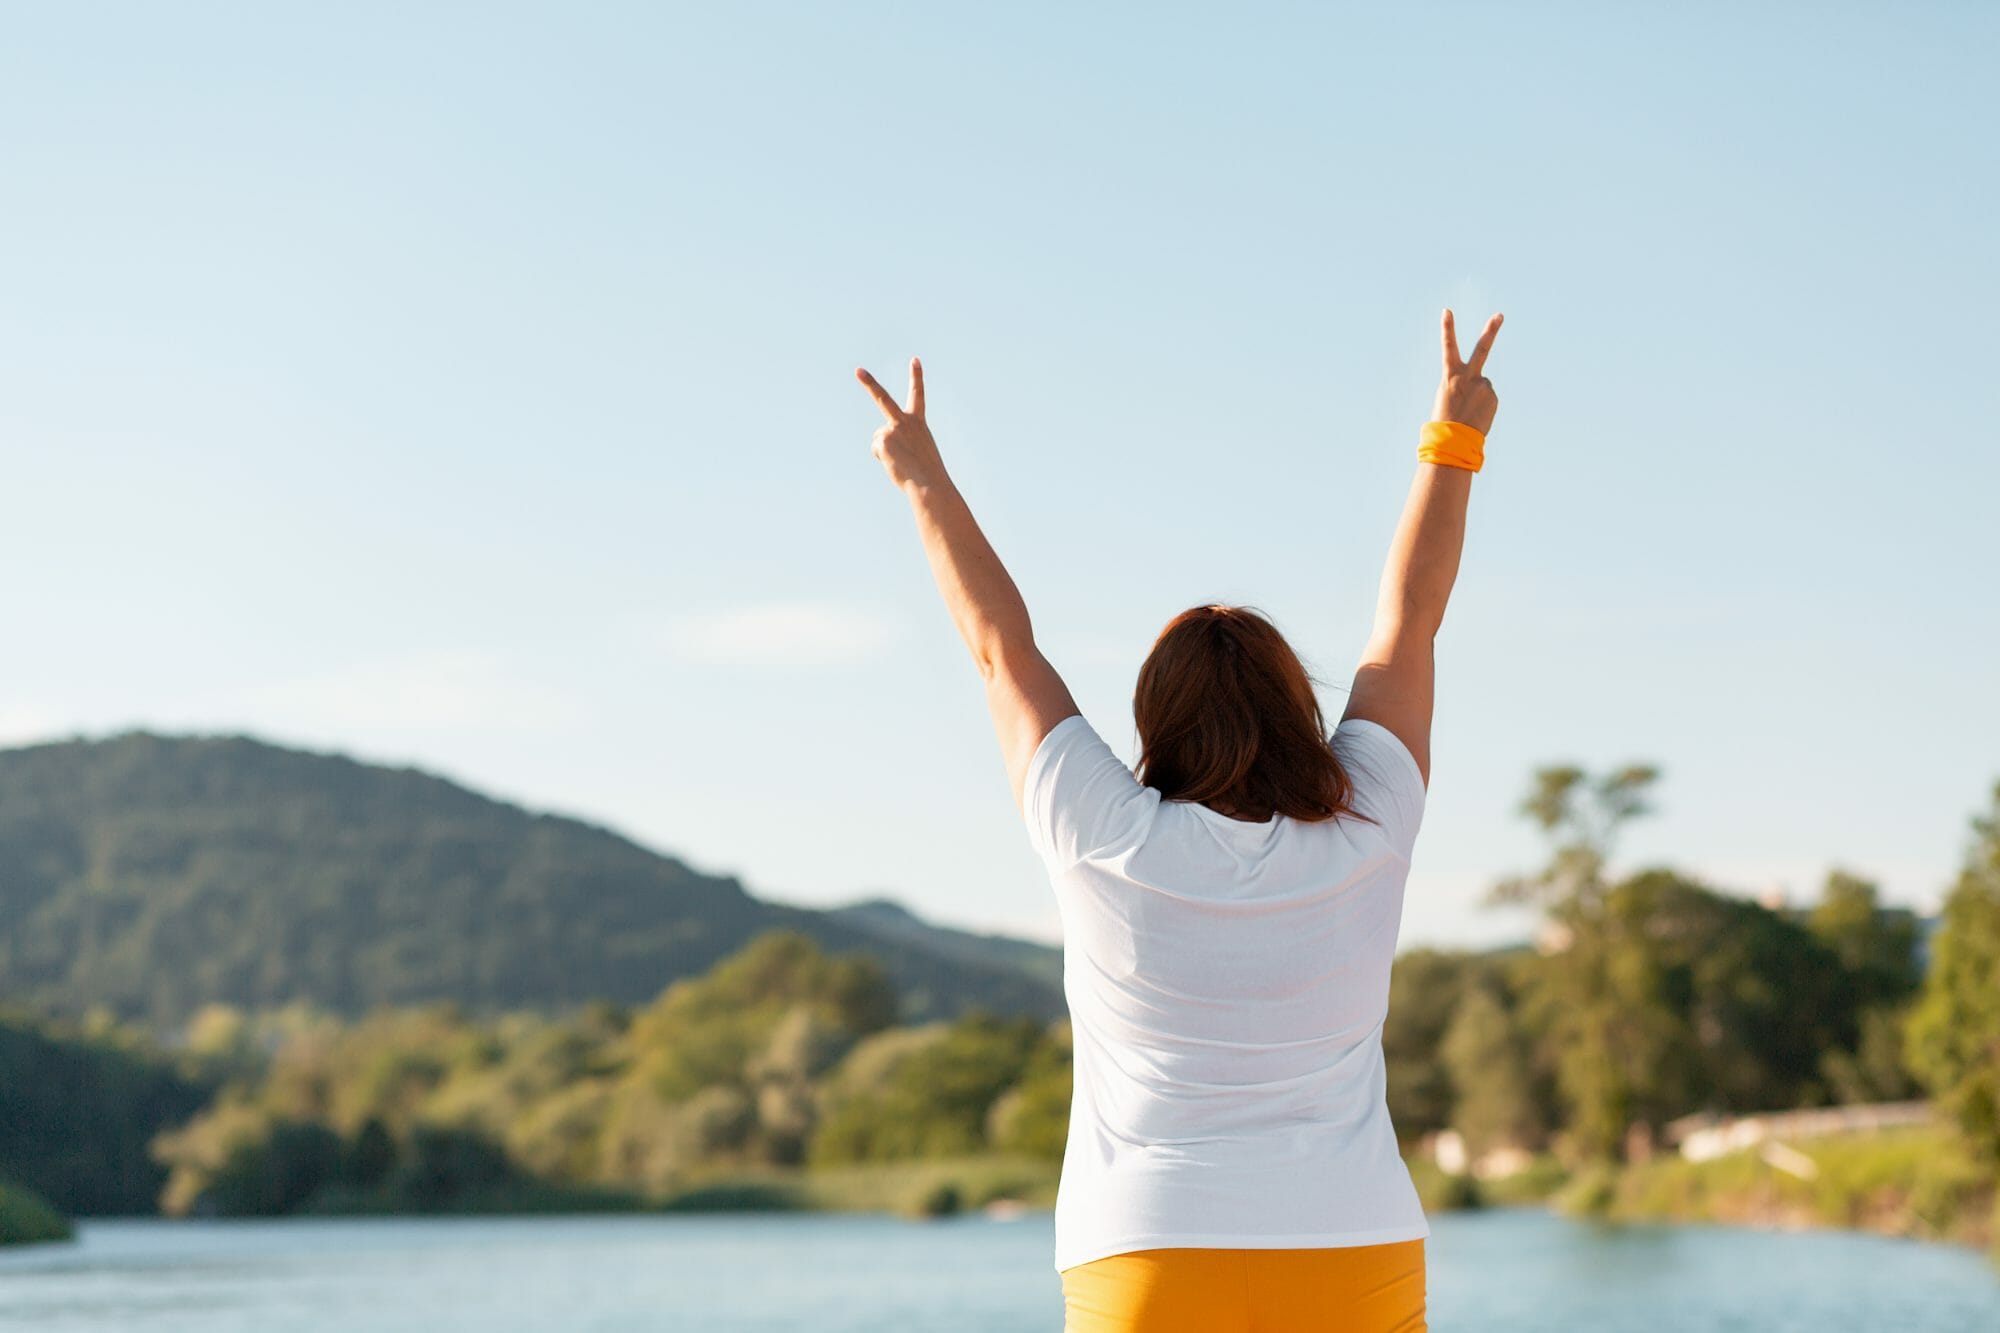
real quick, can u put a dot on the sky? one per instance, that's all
(472, 387)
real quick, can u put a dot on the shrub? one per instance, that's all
(26, 1218)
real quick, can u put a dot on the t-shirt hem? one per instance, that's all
(1181, 1240)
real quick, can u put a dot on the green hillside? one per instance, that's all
(892, 920)
(152, 874)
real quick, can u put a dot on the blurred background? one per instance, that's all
(481, 736)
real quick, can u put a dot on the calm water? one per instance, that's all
(1495, 1272)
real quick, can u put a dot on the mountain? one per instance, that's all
(152, 874)
(891, 920)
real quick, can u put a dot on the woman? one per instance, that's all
(1229, 916)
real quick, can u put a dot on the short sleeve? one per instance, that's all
(1388, 785)
(1079, 798)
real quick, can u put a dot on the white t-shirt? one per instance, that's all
(1227, 983)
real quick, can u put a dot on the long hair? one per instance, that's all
(1227, 713)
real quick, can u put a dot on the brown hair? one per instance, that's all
(1227, 714)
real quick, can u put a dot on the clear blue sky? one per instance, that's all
(471, 386)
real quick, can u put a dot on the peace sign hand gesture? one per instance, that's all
(904, 446)
(1464, 393)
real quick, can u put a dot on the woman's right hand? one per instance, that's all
(1464, 393)
(904, 446)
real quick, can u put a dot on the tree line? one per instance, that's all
(1649, 996)
(780, 1057)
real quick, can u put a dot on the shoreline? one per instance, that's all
(1914, 1184)
(1904, 1185)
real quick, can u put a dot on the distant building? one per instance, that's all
(1447, 1148)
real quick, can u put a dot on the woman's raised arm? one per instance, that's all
(1025, 695)
(1396, 680)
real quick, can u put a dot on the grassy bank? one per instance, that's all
(26, 1218)
(930, 1188)
(1442, 1192)
(506, 1198)
(1920, 1183)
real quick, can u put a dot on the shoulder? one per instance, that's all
(1388, 785)
(1079, 798)
(1071, 736)
(1372, 746)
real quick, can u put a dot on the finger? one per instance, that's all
(1477, 363)
(916, 405)
(879, 394)
(1450, 342)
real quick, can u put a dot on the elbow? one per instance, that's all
(1404, 631)
(996, 655)
(989, 654)
(1399, 641)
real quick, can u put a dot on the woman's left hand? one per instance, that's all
(1464, 393)
(904, 446)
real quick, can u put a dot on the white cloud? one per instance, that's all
(435, 692)
(783, 634)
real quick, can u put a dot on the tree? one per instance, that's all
(276, 1172)
(1756, 999)
(707, 1030)
(1954, 1035)
(77, 1114)
(1032, 1117)
(26, 1217)
(429, 1108)
(1877, 947)
(936, 1100)
(1494, 1103)
(1582, 817)
(1595, 997)
(1617, 1049)
(1424, 989)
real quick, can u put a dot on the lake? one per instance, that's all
(1498, 1272)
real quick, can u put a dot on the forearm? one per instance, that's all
(1423, 558)
(980, 594)
(1397, 679)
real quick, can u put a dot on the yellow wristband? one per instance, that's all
(1452, 444)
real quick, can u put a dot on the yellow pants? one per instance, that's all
(1353, 1289)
